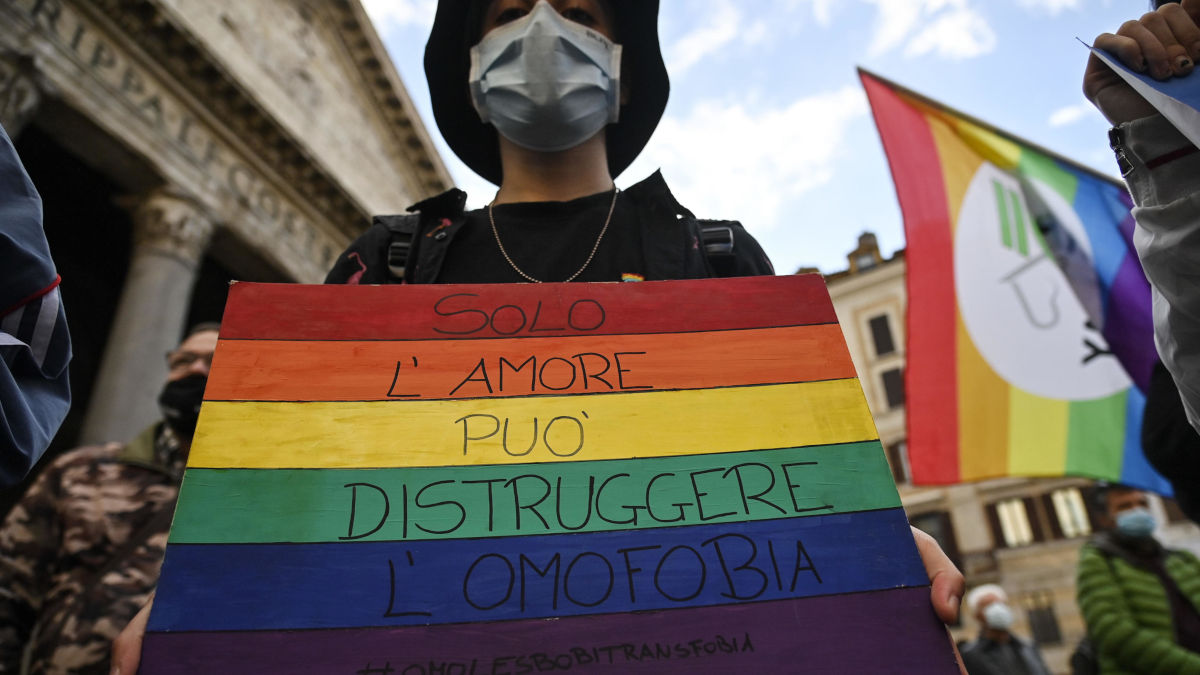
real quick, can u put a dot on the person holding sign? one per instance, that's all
(550, 107)
(551, 100)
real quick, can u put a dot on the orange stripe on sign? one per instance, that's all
(269, 370)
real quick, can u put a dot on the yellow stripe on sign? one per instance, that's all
(1037, 434)
(375, 434)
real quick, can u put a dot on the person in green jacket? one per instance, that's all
(1138, 599)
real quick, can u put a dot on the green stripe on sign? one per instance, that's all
(1096, 437)
(330, 505)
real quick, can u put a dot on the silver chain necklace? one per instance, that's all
(596, 247)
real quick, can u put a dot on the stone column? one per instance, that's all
(170, 234)
(19, 92)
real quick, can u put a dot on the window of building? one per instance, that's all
(897, 455)
(865, 262)
(1014, 522)
(1043, 623)
(893, 387)
(1069, 513)
(1096, 512)
(881, 332)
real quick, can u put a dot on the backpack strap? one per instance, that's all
(414, 256)
(719, 245)
(402, 236)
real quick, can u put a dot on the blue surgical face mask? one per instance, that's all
(544, 82)
(998, 616)
(1136, 522)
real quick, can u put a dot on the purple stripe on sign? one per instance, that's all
(854, 633)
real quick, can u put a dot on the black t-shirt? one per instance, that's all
(548, 241)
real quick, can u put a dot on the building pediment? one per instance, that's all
(317, 70)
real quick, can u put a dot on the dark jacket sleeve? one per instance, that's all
(365, 261)
(972, 661)
(35, 346)
(1171, 445)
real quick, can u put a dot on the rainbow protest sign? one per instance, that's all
(655, 477)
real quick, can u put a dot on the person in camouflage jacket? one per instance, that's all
(80, 553)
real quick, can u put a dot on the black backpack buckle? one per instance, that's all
(717, 240)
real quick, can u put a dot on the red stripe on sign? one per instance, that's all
(932, 396)
(423, 312)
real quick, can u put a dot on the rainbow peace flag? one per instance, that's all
(1029, 324)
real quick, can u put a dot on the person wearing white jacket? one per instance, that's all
(1160, 167)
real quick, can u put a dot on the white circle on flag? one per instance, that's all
(1017, 305)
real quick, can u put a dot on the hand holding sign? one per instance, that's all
(1135, 72)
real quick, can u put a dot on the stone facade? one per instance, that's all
(1037, 567)
(254, 136)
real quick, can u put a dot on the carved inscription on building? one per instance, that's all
(275, 218)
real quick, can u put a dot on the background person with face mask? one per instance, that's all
(80, 553)
(1139, 599)
(997, 651)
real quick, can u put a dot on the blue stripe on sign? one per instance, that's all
(299, 586)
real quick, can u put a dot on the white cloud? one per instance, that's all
(723, 25)
(895, 22)
(959, 34)
(738, 160)
(952, 29)
(1069, 114)
(395, 14)
(822, 10)
(1051, 7)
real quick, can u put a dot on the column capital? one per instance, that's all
(20, 93)
(169, 222)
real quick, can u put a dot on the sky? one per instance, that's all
(767, 121)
